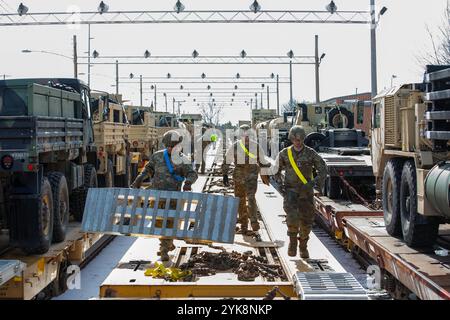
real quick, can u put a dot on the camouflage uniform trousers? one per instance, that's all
(245, 190)
(299, 208)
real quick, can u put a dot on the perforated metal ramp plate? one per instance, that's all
(328, 286)
(181, 215)
(10, 269)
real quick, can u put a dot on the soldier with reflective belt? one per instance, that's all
(247, 167)
(298, 162)
(165, 175)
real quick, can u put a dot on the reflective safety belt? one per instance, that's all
(295, 167)
(170, 167)
(251, 155)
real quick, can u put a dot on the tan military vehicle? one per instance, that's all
(410, 152)
(187, 121)
(261, 115)
(143, 137)
(164, 121)
(111, 129)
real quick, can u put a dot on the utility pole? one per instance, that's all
(262, 101)
(173, 106)
(117, 77)
(89, 55)
(291, 99)
(165, 96)
(256, 101)
(140, 88)
(75, 57)
(155, 97)
(268, 98)
(278, 94)
(317, 69)
(373, 48)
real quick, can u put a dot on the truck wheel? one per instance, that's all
(333, 187)
(78, 197)
(337, 115)
(107, 180)
(127, 176)
(41, 226)
(60, 194)
(134, 171)
(314, 139)
(418, 230)
(391, 196)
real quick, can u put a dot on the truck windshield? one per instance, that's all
(12, 101)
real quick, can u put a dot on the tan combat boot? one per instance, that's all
(164, 255)
(255, 225)
(303, 246)
(292, 249)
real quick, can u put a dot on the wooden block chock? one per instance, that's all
(174, 214)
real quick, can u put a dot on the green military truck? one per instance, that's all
(47, 159)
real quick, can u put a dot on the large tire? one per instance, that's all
(60, 193)
(78, 197)
(418, 230)
(338, 111)
(107, 180)
(124, 180)
(127, 172)
(42, 226)
(391, 197)
(314, 139)
(134, 171)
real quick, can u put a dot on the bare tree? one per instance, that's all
(440, 42)
(289, 106)
(211, 113)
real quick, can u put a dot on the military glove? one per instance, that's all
(226, 182)
(187, 187)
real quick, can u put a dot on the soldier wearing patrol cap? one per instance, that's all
(298, 161)
(248, 157)
(165, 175)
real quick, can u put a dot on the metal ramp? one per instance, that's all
(182, 215)
(9, 269)
(328, 286)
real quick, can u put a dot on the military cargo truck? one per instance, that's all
(46, 154)
(111, 129)
(164, 121)
(244, 122)
(261, 115)
(142, 136)
(410, 151)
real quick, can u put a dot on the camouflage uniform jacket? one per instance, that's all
(161, 179)
(244, 165)
(306, 159)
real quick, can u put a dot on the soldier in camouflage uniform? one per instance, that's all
(205, 144)
(245, 175)
(298, 195)
(162, 179)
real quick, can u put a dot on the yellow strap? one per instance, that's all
(251, 155)
(294, 166)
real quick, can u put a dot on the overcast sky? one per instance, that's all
(402, 36)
